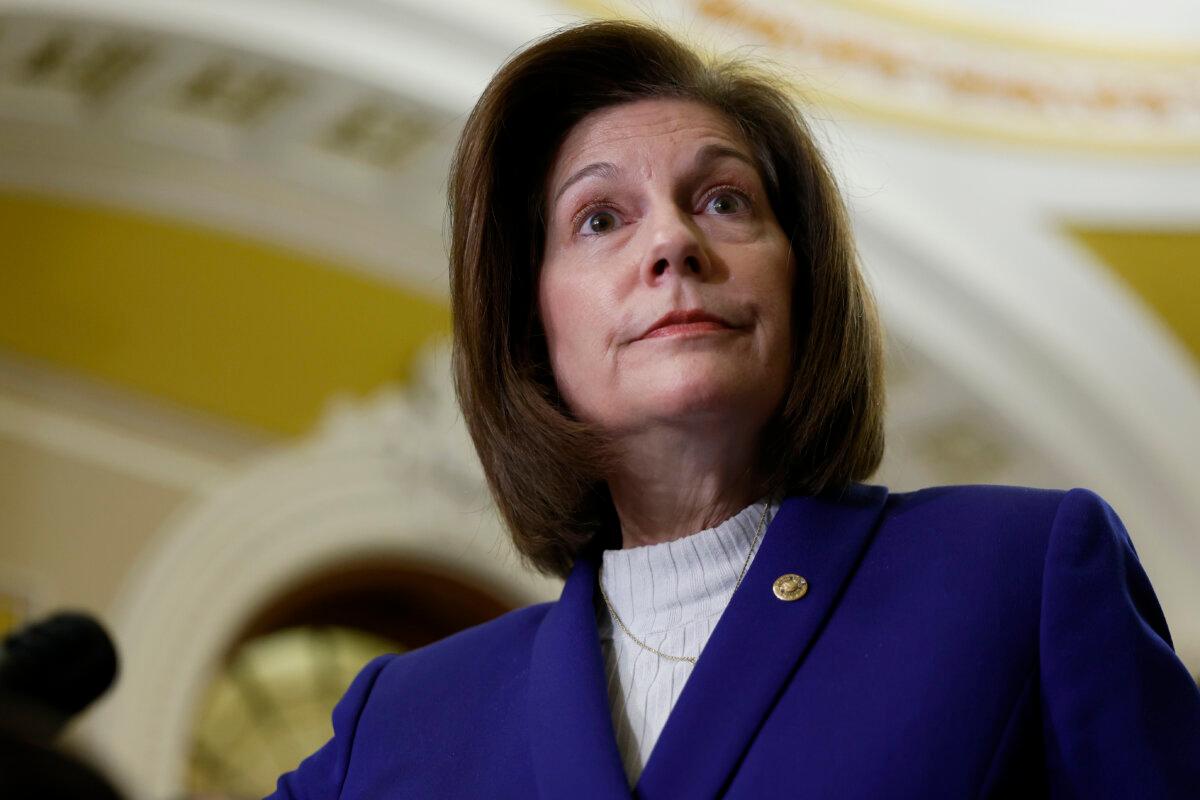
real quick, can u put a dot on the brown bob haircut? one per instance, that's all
(544, 467)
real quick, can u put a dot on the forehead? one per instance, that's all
(654, 126)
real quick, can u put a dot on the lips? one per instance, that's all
(682, 322)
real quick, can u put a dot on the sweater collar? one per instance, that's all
(661, 586)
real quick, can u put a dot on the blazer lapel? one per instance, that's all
(571, 733)
(759, 642)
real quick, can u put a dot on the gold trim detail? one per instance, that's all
(939, 77)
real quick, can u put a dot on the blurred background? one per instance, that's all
(226, 423)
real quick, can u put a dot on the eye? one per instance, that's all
(601, 221)
(727, 201)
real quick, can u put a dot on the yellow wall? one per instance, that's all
(241, 329)
(1162, 266)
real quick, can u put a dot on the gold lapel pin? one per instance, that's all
(790, 587)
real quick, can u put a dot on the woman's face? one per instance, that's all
(665, 289)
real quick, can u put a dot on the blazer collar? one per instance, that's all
(756, 646)
(571, 733)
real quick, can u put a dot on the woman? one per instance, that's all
(670, 367)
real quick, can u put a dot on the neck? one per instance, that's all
(669, 484)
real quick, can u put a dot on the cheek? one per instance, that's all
(775, 294)
(568, 319)
(560, 304)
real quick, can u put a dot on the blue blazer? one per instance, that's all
(957, 642)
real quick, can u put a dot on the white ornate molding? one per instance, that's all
(393, 475)
(292, 126)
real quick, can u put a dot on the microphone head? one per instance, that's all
(60, 664)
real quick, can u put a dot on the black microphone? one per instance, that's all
(49, 672)
(53, 669)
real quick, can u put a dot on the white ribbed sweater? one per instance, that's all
(670, 596)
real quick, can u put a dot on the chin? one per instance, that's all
(681, 389)
(701, 395)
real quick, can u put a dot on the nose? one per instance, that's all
(676, 248)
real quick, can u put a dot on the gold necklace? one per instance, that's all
(689, 659)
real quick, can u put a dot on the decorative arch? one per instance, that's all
(390, 476)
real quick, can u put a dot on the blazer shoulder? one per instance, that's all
(1038, 522)
(982, 501)
(484, 652)
(1017, 523)
(401, 702)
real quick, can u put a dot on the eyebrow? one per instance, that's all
(715, 152)
(704, 157)
(600, 169)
